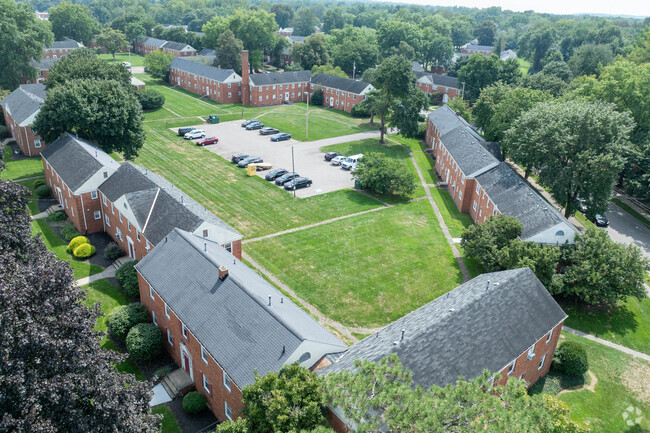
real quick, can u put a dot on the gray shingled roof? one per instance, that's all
(201, 69)
(24, 102)
(345, 84)
(230, 318)
(280, 78)
(468, 330)
(446, 120)
(207, 52)
(416, 67)
(296, 39)
(443, 80)
(514, 197)
(479, 47)
(65, 43)
(76, 160)
(172, 207)
(44, 64)
(467, 151)
(158, 43)
(178, 46)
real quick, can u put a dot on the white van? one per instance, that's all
(351, 161)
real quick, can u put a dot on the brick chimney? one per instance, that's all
(223, 272)
(245, 87)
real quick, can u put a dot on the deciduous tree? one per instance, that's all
(462, 29)
(485, 32)
(483, 241)
(329, 70)
(74, 21)
(392, 32)
(587, 59)
(157, 63)
(229, 50)
(84, 64)
(395, 81)
(336, 18)
(384, 175)
(312, 52)
(304, 22)
(112, 41)
(283, 14)
(354, 49)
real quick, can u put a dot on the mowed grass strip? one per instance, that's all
(455, 220)
(134, 59)
(251, 205)
(367, 270)
(20, 168)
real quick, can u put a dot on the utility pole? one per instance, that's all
(307, 125)
(354, 68)
(462, 92)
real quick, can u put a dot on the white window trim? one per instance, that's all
(108, 221)
(170, 338)
(93, 195)
(151, 293)
(154, 318)
(531, 352)
(205, 380)
(511, 367)
(548, 336)
(226, 381)
(98, 215)
(167, 311)
(184, 330)
(204, 355)
(541, 362)
(226, 407)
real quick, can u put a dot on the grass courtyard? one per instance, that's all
(20, 168)
(134, 59)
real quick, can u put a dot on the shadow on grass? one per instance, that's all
(556, 381)
(597, 320)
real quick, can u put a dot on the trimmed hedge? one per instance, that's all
(69, 232)
(151, 99)
(127, 277)
(125, 318)
(57, 216)
(43, 191)
(144, 341)
(84, 251)
(75, 242)
(37, 183)
(113, 251)
(194, 402)
(571, 358)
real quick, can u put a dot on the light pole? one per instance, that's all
(293, 170)
(130, 67)
(307, 123)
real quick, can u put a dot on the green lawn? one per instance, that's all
(32, 199)
(622, 381)
(169, 423)
(19, 169)
(367, 270)
(110, 298)
(135, 59)
(57, 245)
(524, 65)
(388, 149)
(250, 204)
(455, 220)
(628, 324)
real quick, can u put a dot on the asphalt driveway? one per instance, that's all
(626, 229)
(307, 156)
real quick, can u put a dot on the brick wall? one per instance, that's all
(452, 92)
(218, 393)
(56, 53)
(340, 99)
(28, 142)
(40, 77)
(114, 219)
(221, 92)
(275, 94)
(337, 425)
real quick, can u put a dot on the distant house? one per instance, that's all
(482, 185)
(416, 67)
(505, 322)
(222, 85)
(222, 322)
(74, 169)
(20, 108)
(286, 56)
(285, 32)
(434, 83)
(470, 48)
(507, 54)
(42, 66)
(45, 16)
(340, 93)
(177, 49)
(61, 48)
(140, 208)
(207, 55)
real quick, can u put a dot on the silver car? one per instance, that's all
(337, 160)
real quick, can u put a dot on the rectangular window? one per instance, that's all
(474, 206)
(72, 210)
(154, 318)
(228, 247)
(460, 194)
(97, 215)
(184, 329)
(93, 195)
(128, 226)
(541, 362)
(118, 233)
(228, 410)
(462, 179)
(37, 143)
(226, 381)
(167, 310)
(108, 222)
(151, 293)
(204, 354)
(260, 99)
(137, 235)
(478, 187)
(170, 338)
(104, 200)
(120, 215)
(531, 352)
(511, 368)
(206, 385)
(112, 209)
(229, 94)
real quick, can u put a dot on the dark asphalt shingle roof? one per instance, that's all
(514, 197)
(280, 78)
(230, 318)
(155, 42)
(479, 47)
(25, 102)
(466, 331)
(76, 160)
(416, 67)
(207, 52)
(65, 43)
(172, 208)
(446, 120)
(295, 39)
(178, 46)
(345, 84)
(442, 80)
(467, 151)
(202, 70)
(45, 63)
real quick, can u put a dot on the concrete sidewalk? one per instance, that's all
(608, 343)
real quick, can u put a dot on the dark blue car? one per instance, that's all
(281, 136)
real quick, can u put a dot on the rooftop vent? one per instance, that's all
(181, 199)
(223, 272)
(269, 300)
(400, 339)
(146, 172)
(487, 286)
(205, 246)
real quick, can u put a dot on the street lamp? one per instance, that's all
(293, 170)
(307, 123)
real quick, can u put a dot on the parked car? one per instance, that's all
(127, 64)
(250, 160)
(195, 133)
(297, 183)
(239, 157)
(248, 122)
(268, 131)
(601, 220)
(255, 125)
(350, 162)
(207, 140)
(184, 130)
(286, 178)
(281, 136)
(331, 155)
(337, 160)
(275, 173)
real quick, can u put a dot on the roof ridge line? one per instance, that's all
(151, 210)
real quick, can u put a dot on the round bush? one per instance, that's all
(69, 232)
(75, 242)
(84, 251)
(144, 341)
(571, 358)
(57, 216)
(113, 251)
(125, 318)
(37, 183)
(127, 277)
(151, 99)
(194, 402)
(42, 191)
(362, 109)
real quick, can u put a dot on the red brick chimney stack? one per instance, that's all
(245, 87)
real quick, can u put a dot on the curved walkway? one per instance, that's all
(607, 343)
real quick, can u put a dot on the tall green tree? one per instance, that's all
(84, 64)
(485, 32)
(395, 81)
(336, 18)
(384, 175)
(23, 37)
(102, 111)
(112, 41)
(134, 32)
(354, 49)
(479, 72)
(255, 28)
(640, 53)
(304, 22)
(312, 52)
(157, 63)
(462, 29)
(283, 14)
(486, 104)
(74, 21)
(392, 32)
(229, 50)
(436, 49)
(577, 148)
(328, 70)
(587, 59)
(483, 241)
(534, 44)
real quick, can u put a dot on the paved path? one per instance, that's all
(106, 273)
(608, 343)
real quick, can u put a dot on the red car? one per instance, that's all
(207, 140)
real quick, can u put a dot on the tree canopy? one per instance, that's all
(157, 63)
(74, 21)
(229, 50)
(312, 52)
(84, 64)
(384, 175)
(112, 41)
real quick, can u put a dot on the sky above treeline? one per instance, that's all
(621, 7)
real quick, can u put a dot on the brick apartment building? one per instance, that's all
(20, 108)
(340, 93)
(140, 207)
(42, 67)
(222, 322)
(221, 85)
(74, 169)
(468, 330)
(177, 49)
(61, 48)
(481, 184)
(435, 83)
(470, 48)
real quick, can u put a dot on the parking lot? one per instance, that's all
(308, 158)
